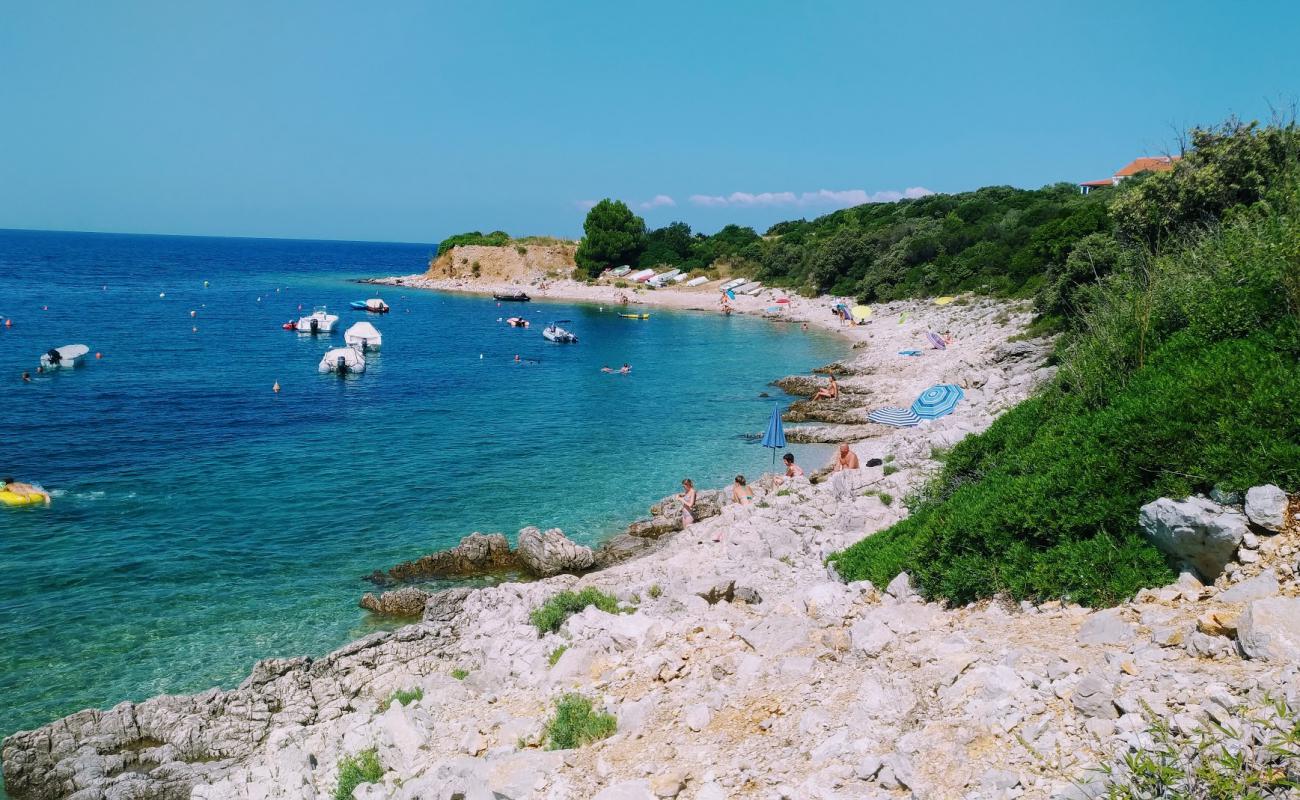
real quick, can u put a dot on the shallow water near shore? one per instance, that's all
(202, 522)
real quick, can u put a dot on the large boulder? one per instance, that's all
(550, 552)
(1266, 507)
(477, 554)
(1194, 532)
(405, 602)
(1270, 630)
(655, 527)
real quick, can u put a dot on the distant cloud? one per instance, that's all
(585, 205)
(822, 197)
(657, 201)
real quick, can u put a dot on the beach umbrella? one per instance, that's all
(936, 340)
(774, 436)
(782, 299)
(860, 313)
(731, 295)
(937, 401)
(895, 417)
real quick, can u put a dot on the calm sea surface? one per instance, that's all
(202, 522)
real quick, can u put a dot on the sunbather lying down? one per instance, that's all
(23, 489)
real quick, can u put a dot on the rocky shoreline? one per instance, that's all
(742, 667)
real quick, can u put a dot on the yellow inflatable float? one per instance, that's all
(17, 500)
(943, 301)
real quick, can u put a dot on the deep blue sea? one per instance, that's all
(202, 522)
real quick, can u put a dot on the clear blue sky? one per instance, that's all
(413, 120)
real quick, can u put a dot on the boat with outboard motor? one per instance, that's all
(69, 355)
(343, 361)
(374, 305)
(517, 322)
(318, 321)
(363, 336)
(518, 297)
(554, 333)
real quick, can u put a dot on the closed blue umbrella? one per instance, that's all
(937, 401)
(774, 436)
(895, 417)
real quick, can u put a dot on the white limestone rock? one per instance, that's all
(1269, 630)
(1194, 531)
(1266, 506)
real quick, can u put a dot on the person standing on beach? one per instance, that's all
(687, 499)
(844, 472)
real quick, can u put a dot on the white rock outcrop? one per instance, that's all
(1196, 532)
(1266, 506)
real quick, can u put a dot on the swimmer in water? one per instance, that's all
(27, 377)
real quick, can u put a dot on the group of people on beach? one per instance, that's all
(742, 494)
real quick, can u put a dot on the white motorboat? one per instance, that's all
(343, 361)
(554, 333)
(318, 321)
(374, 304)
(363, 336)
(69, 355)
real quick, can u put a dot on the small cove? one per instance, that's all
(202, 522)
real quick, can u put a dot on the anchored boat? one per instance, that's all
(343, 361)
(374, 305)
(554, 333)
(69, 355)
(318, 321)
(519, 297)
(363, 336)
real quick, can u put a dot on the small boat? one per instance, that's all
(291, 325)
(518, 297)
(554, 333)
(664, 277)
(363, 336)
(69, 355)
(318, 321)
(753, 287)
(733, 283)
(621, 271)
(343, 361)
(635, 316)
(517, 322)
(374, 305)
(700, 281)
(642, 276)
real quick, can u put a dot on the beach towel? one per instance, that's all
(936, 340)
(895, 417)
(909, 352)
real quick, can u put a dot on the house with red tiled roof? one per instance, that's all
(1137, 166)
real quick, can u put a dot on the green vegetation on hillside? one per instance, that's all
(577, 722)
(549, 616)
(493, 239)
(1180, 374)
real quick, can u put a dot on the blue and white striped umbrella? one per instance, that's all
(895, 416)
(937, 401)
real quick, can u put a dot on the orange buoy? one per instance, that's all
(9, 323)
(99, 355)
(276, 387)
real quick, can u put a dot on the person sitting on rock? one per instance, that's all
(830, 391)
(23, 489)
(792, 470)
(844, 472)
(740, 492)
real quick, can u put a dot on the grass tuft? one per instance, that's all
(549, 616)
(460, 674)
(555, 654)
(576, 723)
(364, 767)
(403, 697)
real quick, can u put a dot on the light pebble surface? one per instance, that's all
(818, 689)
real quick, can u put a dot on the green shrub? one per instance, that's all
(1181, 377)
(460, 674)
(576, 723)
(403, 696)
(620, 284)
(890, 469)
(493, 239)
(364, 767)
(555, 654)
(886, 498)
(889, 458)
(655, 591)
(548, 617)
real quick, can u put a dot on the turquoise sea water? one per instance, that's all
(202, 522)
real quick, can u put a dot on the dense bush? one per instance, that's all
(493, 239)
(1182, 375)
(577, 722)
(549, 616)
